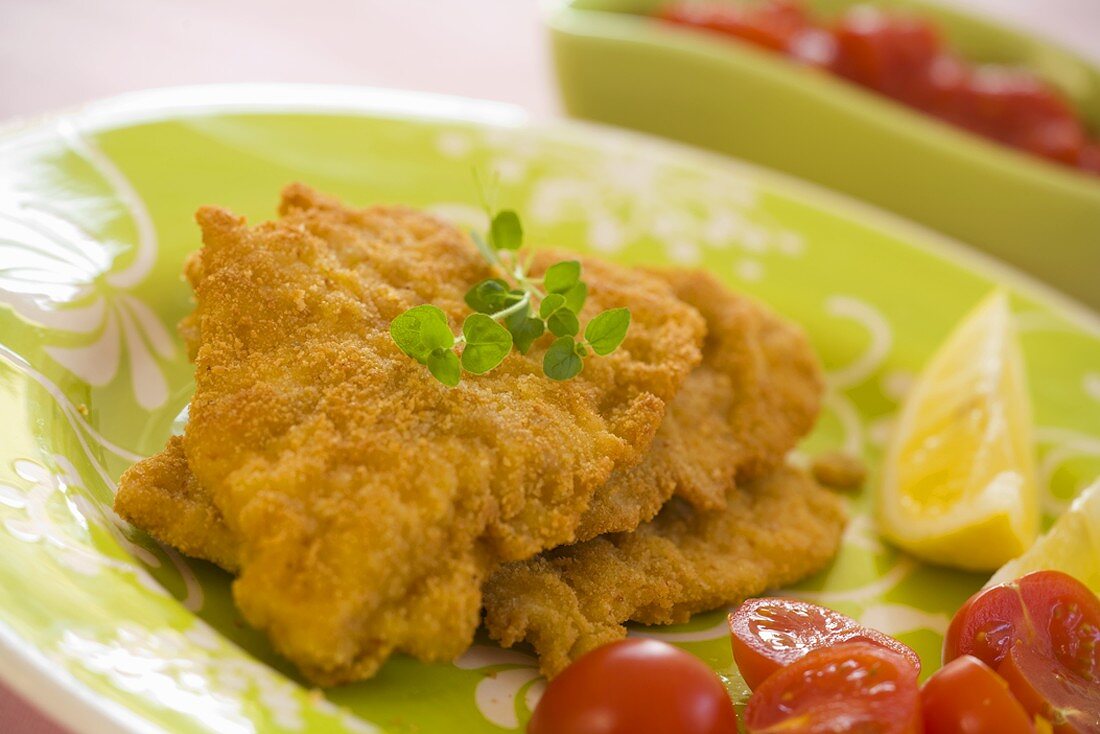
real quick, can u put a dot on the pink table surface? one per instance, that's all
(61, 53)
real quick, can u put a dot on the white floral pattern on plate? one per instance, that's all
(623, 195)
(163, 667)
(59, 274)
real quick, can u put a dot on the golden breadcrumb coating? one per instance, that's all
(567, 601)
(839, 470)
(754, 395)
(367, 500)
(163, 498)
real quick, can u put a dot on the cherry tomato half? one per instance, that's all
(1042, 635)
(635, 686)
(1071, 703)
(770, 633)
(967, 697)
(852, 688)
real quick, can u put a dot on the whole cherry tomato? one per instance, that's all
(1041, 633)
(770, 633)
(851, 688)
(635, 686)
(967, 697)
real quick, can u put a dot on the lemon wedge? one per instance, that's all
(1072, 545)
(958, 485)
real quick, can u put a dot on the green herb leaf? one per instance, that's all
(580, 350)
(525, 330)
(488, 296)
(487, 343)
(420, 330)
(563, 322)
(506, 233)
(550, 304)
(443, 364)
(606, 331)
(561, 277)
(575, 297)
(561, 361)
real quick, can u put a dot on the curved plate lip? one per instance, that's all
(58, 696)
(63, 698)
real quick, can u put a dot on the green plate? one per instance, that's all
(109, 631)
(616, 65)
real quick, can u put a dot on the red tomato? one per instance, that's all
(771, 24)
(635, 687)
(768, 634)
(853, 688)
(943, 91)
(1019, 109)
(888, 53)
(967, 697)
(903, 57)
(1089, 160)
(1042, 634)
(1070, 702)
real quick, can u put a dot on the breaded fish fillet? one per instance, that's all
(771, 532)
(367, 501)
(755, 394)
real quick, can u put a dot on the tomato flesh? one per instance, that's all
(888, 53)
(1048, 608)
(635, 686)
(1070, 702)
(967, 697)
(1042, 635)
(853, 688)
(985, 626)
(770, 633)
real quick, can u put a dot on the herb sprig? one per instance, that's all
(511, 312)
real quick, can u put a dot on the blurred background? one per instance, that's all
(59, 53)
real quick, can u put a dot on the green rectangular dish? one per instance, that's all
(616, 65)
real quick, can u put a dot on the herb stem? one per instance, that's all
(529, 286)
(516, 307)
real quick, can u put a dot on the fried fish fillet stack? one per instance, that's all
(363, 505)
(367, 501)
(772, 531)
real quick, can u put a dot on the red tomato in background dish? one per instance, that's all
(1041, 633)
(635, 686)
(967, 697)
(770, 24)
(890, 53)
(770, 633)
(852, 688)
(1019, 109)
(1089, 160)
